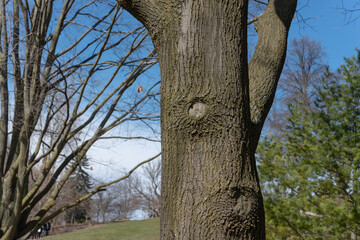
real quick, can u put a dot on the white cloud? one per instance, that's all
(109, 160)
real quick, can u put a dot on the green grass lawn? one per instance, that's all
(129, 230)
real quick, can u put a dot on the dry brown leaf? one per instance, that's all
(140, 88)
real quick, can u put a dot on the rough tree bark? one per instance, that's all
(213, 108)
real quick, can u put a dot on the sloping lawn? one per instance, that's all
(129, 230)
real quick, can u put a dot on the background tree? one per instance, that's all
(213, 107)
(79, 184)
(126, 202)
(117, 203)
(141, 191)
(303, 70)
(146, 187)
(311, 178)
(67, 75)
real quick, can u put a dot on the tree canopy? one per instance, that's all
(311, 176)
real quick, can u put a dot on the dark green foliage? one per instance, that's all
(82, 177)
(80, 183)
(311, 177)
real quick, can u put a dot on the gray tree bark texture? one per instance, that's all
(213, 107)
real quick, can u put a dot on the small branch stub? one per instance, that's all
(197, 110)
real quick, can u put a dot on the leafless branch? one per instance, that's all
(66, 95)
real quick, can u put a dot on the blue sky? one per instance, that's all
(327, 24)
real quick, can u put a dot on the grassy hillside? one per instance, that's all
(129, 230)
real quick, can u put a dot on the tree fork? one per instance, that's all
(212, 111)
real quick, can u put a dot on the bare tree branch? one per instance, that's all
(67, 94)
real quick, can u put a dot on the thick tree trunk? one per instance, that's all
(209, 181)
(212, 113)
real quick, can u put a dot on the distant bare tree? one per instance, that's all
(125, 203)
(141, 191)
(303, 70)
(147, 186)
(101, 207)
(68, 71)
(117, 203)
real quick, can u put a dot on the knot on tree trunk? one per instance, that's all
(239, 209)
(197, 110)
(195, 117)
